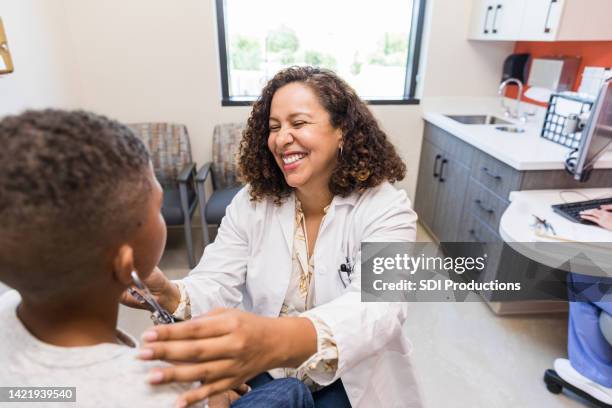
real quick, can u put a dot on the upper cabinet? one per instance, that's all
(496, 19)
(541, 20)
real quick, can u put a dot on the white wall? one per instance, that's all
(157, 60)
(39, 49)
(455, 66)
(151, 60)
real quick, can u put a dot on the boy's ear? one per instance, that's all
(123, 265)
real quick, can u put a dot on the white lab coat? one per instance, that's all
(249, 266)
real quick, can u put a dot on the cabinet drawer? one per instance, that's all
(495, 175)
(484, 205)
(451, 145)
(474, 230)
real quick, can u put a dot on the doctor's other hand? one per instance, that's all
(225, 348)
(165, 292)
(227, 398)
(601, 216)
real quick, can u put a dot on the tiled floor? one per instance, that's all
(464, 355)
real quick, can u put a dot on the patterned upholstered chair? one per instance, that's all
(223, 172)
(170, 151)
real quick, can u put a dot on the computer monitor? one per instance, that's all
(597, 134)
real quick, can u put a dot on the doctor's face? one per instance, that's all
(302, 139)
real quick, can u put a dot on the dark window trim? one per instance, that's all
(414, 49)
(250, 101)
(412, 69)
(222, 51)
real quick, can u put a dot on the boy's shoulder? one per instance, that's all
(9, 301)
(126, 384)
(9, 298)
(104, 375)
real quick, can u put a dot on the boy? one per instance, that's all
(79, 211)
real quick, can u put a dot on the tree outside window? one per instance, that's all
(368, 46)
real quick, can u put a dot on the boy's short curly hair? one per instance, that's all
(367, 159)
(72, 184)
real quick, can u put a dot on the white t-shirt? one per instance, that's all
(105, 375)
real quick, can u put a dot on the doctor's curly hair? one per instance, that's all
(367, 159)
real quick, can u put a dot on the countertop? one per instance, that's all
(582, 248)
(516, 222)
(522, 151)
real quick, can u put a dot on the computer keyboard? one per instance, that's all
(571, 211)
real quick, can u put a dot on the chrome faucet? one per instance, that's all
(517, 110)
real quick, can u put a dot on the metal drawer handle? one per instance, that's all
(486, 31)
(488, 173)
(499, 6)
(482, 207)
(435, 171)
(475, 236)
(546, 27)
(442, 179)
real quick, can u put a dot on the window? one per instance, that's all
(373, 45)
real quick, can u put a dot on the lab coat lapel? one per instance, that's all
(286, 217)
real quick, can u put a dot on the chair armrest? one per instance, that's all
(186, 173)
(187, 187)
(204, 172)
(200, 179)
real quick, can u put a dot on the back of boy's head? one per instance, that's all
(73, 185)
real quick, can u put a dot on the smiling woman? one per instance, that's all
(318, 171)
(313, 108)
(302, 139)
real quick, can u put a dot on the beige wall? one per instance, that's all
(37, 40)
(157, 60)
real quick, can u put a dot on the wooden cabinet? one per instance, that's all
(427, 186)
(453, 181)
(541, 20)
(462, 193)
(496, 19)
(456, 180)
(443, 179)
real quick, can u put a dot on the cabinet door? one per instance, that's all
(449, 204)
(427, 185)
(541, 20)
(507, 19)
(481, 20)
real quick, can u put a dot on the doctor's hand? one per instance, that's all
(227, 398)
(601, 216)
(165, 292)
(225, 348)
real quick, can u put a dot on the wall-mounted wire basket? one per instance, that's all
(560, 106)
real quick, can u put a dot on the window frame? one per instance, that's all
(412, 62)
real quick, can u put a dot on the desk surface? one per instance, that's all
(581, 245)
(515, 224)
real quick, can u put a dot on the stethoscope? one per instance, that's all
(142, 294)
(346, 268)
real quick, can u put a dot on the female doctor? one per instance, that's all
(278, 292)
